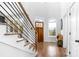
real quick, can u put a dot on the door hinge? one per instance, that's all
(69, 14)
(69, 52)
(69, 33)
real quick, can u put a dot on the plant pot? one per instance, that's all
(60, 43)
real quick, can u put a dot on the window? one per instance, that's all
(52, 28)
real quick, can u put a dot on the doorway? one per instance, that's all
(39, 26)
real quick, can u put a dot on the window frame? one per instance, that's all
(48, 28)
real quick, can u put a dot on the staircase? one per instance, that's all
(18, 32)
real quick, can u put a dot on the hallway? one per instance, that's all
(25, 26)
(50, 50)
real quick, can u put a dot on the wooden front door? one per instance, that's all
(39, 31)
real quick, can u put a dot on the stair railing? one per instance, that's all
(14, 11)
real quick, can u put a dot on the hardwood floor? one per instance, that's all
(50, 50)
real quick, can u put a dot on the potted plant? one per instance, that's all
(60, 40)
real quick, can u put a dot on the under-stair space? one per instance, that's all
(15, 43)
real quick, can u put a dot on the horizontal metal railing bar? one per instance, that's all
(13, 24)
(25, 25)
(13, 8)
(20, 11)
(11, 16)
(12, 12)
(15, 21)
(28, 19)
(25, 13)
(8, 19)
(24, 21)
(22, 15)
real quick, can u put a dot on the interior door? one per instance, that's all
(74, 46)
(67, 32)
(39, 31)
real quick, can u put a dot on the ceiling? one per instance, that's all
(45, 10)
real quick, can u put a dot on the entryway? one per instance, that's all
(39, 26)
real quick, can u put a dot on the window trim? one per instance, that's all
(56, 28)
